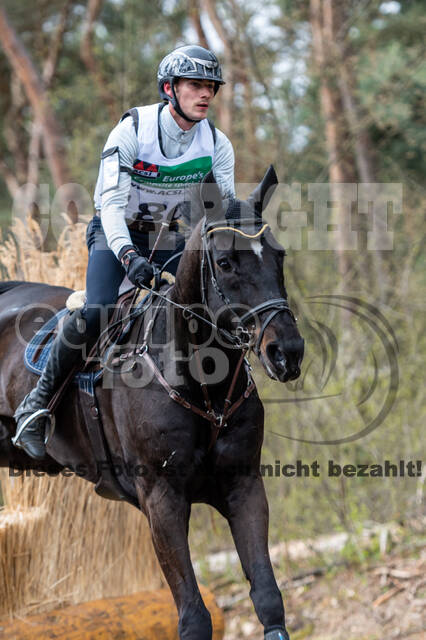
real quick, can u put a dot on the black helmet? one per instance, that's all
(189, 61)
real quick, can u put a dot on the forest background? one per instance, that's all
(329, 93)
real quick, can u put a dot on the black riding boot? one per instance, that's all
(64, 354)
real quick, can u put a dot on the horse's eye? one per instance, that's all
(224, 264)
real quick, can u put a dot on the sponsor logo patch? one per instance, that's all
(193, 177)
(146, 169)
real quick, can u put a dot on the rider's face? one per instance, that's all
(194, 96)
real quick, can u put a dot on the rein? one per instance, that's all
(243, 339)
(216, 420)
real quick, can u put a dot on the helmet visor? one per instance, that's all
(181, 65)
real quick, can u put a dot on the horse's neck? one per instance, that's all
(187, 287)
(187, 292)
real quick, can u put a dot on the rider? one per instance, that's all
(149, 162)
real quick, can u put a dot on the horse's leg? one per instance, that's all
(168, 514)
(246, 509)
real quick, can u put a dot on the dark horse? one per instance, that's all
(171, 424)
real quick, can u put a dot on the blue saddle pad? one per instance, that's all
(85, 380)
(40, 337)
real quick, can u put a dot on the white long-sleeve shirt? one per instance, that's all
(175, 141)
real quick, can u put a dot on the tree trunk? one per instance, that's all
(86, 52)
(247, 72)
(48, 74)
(194, 14)
(251, 143)
(325, 24)
(372, 262)
(14, 129)
(10, 179)
(362, 144)
(280, 152)
(33, 86)
(225, 105)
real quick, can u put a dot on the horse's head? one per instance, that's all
(243, 276)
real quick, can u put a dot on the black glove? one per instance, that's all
(138, 269)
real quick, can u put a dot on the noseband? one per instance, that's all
(244, 334)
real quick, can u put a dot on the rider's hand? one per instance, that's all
(138, 269)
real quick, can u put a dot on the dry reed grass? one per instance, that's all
(18, 529)
(22, 258)
(60, 543)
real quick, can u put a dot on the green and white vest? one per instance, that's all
(159, 183)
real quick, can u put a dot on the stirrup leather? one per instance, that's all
(40, 413)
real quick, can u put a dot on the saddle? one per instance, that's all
(38, 349)
(35, 358)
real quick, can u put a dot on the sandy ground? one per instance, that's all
(383, 601)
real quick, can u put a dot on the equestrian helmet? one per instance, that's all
(189, 61)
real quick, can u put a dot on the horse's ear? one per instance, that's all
(260, 197)
(211, 196)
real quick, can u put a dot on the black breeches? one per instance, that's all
(105, 273)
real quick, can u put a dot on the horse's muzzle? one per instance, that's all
(284, 359)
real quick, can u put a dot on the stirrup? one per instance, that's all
(32, 418)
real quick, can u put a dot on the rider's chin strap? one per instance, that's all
(176, 105)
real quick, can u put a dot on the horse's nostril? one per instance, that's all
(275, 354)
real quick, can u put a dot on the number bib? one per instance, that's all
(156, 190)
(159, 184)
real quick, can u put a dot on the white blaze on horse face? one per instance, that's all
(257, 247)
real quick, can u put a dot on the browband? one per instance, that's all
(242, 233)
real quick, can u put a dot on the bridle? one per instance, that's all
(276, 305)
(243, 338)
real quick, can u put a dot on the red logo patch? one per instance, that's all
(145, 166)
(146, 169)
